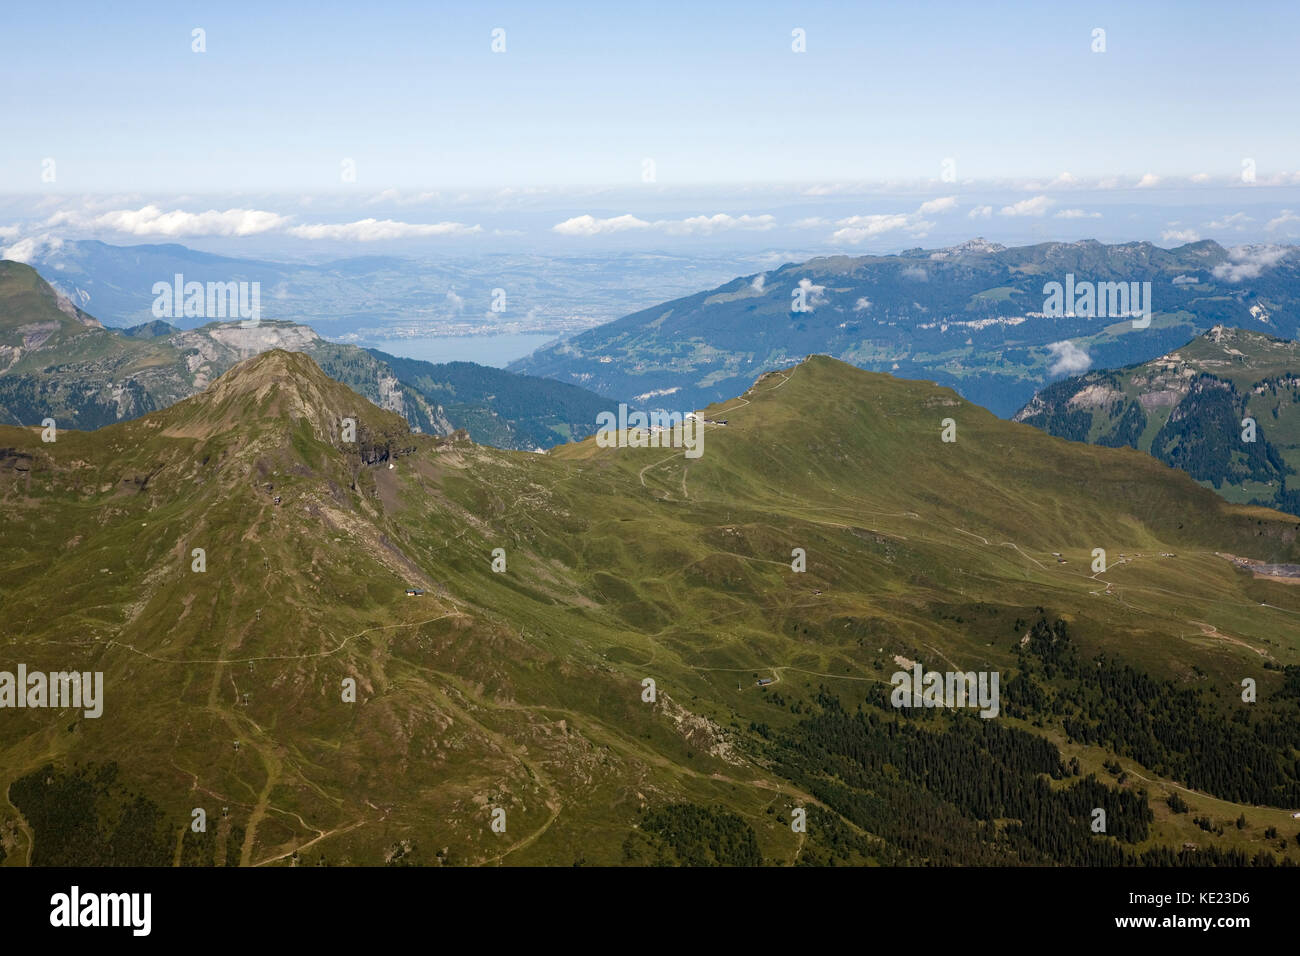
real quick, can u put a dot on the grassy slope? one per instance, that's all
(522, 689)
(25, 299)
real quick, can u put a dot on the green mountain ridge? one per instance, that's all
(1225, 408)
(522, 688)
(32, 314)
(970, 317)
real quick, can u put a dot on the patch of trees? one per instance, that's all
(27, 399)
(1203, 438)
(1286, 499)
(1127, 430)
(1056, 416)
(84, 816)
(199, 849)
(1241, 754)
(538, 411)
(943, 787)
(957, 789)
(832, 842)
(686, 834)
(234, 845)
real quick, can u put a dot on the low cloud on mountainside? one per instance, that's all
(1249, 261)
(1069, 359)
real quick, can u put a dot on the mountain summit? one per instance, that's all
(283, 387)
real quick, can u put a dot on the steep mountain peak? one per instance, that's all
(269, 367)
(1205, 247)
(978, 244)
(284, 387)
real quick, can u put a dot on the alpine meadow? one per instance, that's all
(553, 467)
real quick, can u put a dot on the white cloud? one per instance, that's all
(508, 192)
(25, 250)
(707, 225)
(693, 225)
(813, 294)
(862, 304)
(1280, 179)
(591, 226)
(942, 204)
(1036, 206)
(1185, 280)
(1069, 359)
(656, 393)
(1147, 181)
(1287, 216)
(824, 189)
(916, 273)
(981, 212)
(1179, 235)
(1201, 178)
(1066, 180)
(1247, 262)
(779, 257)
(759, 280)
(1076, 214)
(857, 228)
(152, 221)
(372, 230)
(456, 303)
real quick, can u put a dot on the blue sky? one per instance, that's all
(583, 94)
(901, 124)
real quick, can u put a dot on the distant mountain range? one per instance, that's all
(1225, 408)
(236, 567)
(57, 361)
(971, 317)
